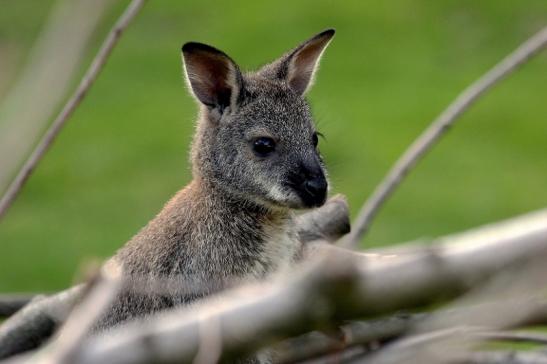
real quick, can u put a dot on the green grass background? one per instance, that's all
(392, 67)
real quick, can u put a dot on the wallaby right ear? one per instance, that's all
(214, 78)
(297, 68)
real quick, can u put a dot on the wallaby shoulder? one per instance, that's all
(201, 242)
(203, 233)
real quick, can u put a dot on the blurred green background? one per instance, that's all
(392, 67)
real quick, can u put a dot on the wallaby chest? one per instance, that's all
(203, 238)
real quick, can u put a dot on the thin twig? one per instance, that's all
(46, 79)
(436, 130)
(85, 84)
(101, 292)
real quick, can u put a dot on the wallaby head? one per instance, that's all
(256, 138)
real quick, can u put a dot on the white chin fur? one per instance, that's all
(284, 197)
(277, 194)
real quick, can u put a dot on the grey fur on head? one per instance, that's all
(255, 160)
(238, 108)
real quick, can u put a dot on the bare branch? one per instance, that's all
(449, 334)
(89, 78)
(101, 293)
(515, 336)
(414, 349)
(11, 303)
(373, 333)
(328, 223)
(507, 357)
(347, 285)
(34, 323)
(210, 345)
(316, 343)
(252, 316)
(350, 355)
(45, 79)
(437, 129)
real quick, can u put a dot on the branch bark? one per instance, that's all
(436, 130)
(100, 293)
(85, 84)
(507, 357)
(515, 336)
(252, 316)
(315, 344)
(11, 303)
(327, 223)
(37, 321)
(33, 324)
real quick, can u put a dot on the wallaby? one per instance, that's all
(254, 162)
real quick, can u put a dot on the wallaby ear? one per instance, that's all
(214, 77)
(298, 67)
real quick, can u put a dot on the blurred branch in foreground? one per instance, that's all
(330, 289)
(19, 116)
(33, 324)
(52, 64)
(11, 303)
(494, 274)
(36, 322)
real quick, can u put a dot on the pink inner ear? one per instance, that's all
(303, 65)
(208, 74)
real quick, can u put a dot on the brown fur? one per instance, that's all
(234, 221)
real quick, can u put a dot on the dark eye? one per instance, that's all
(263, 146)
(315, 139)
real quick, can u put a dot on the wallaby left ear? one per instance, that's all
(298, 67)
(214, 78)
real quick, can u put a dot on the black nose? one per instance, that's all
(313, 189)
(309, 182)
(317, 189)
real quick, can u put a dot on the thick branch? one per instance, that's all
(515, 336)
(100, 293)
(33, 324)
(30, 326)
(315, 344)
(85, 84)
(436, 130)
(252, 316)
(430, 347)
(511, 299)
(507, 357)
(11, 303)
(328, 223)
